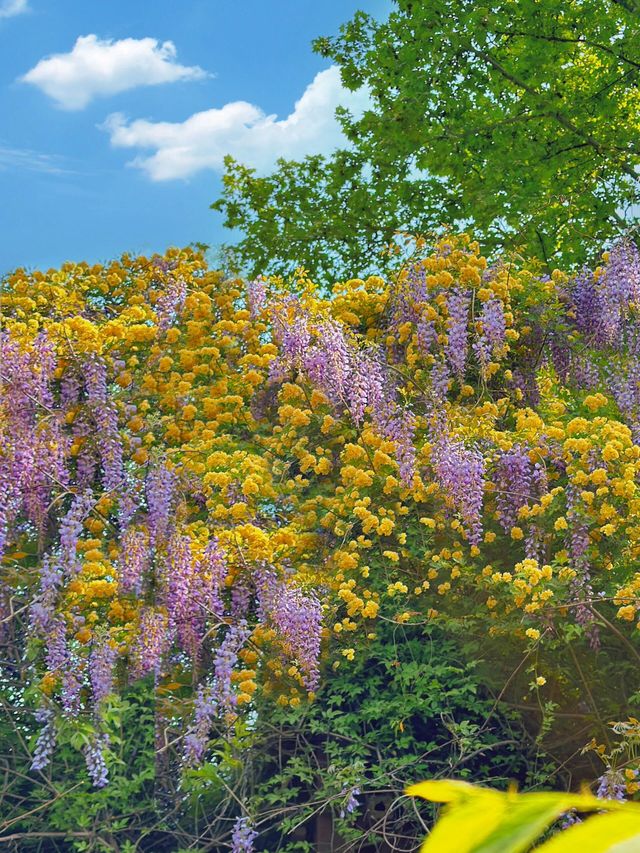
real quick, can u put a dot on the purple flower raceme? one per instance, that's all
(458, 303)
(192, 590)
(291, 330)
(110, 447)
(212, 575)
(426, 335)
(32, 449)
(43, 608)
(612, 786)
(71, 528)
(329, 362)
(624, 384)
(56, 655)
(241, 596)
(578, 533)
(170, 304)
(513, 484)
(243, 836)
(134, 561)
(225, 659)
(297, 618)
(398, 425)
(46, 739)
(408, 298)
(105, 419)
(584, 373)
(87, 459)
(440, 376)
(160, 494)
(460, 473)
(257, 296)
(368, 385)
(94, 754)
(95, 379)
(70, 388)
(587, 307)
(152, 642)
(351, 377)
(216, 699)
(561, 356)
(204, 713)
(618, 287)
(101, 665)
(177, 579)
(70, 690)
(351, 802)
(492, 335)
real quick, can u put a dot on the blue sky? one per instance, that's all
(116, 115)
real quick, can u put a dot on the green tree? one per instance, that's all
(518, 119)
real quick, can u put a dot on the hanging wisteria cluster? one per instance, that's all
(219, 487)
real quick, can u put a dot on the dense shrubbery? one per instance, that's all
(415, 497)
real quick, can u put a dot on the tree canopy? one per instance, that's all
(518, 118)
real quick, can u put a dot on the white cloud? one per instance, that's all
(180, 149)
(97, 67)
(10, 8)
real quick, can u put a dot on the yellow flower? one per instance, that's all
(595, 401)
(628, 613)
(610, 453)
(385, 528)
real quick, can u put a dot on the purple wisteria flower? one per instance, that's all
(101, 664)
(243, 836)
(513, 480)
(160, 489)
(492, 335)
(46, 739)
(351, 802)
(94, 754)
(458, 304)
(297, 618)
(460, 472)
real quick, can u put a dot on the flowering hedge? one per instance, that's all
(223, 487)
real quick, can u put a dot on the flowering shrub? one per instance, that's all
(224, 488)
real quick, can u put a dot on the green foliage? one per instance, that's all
(61, 809)
(480, 820)
(518, 118)
(413, 705)
(326, 214)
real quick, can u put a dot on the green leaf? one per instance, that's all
(609, 833)
(480, 820)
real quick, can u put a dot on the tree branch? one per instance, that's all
(555, 114)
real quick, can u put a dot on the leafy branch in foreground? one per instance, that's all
(481, 820)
